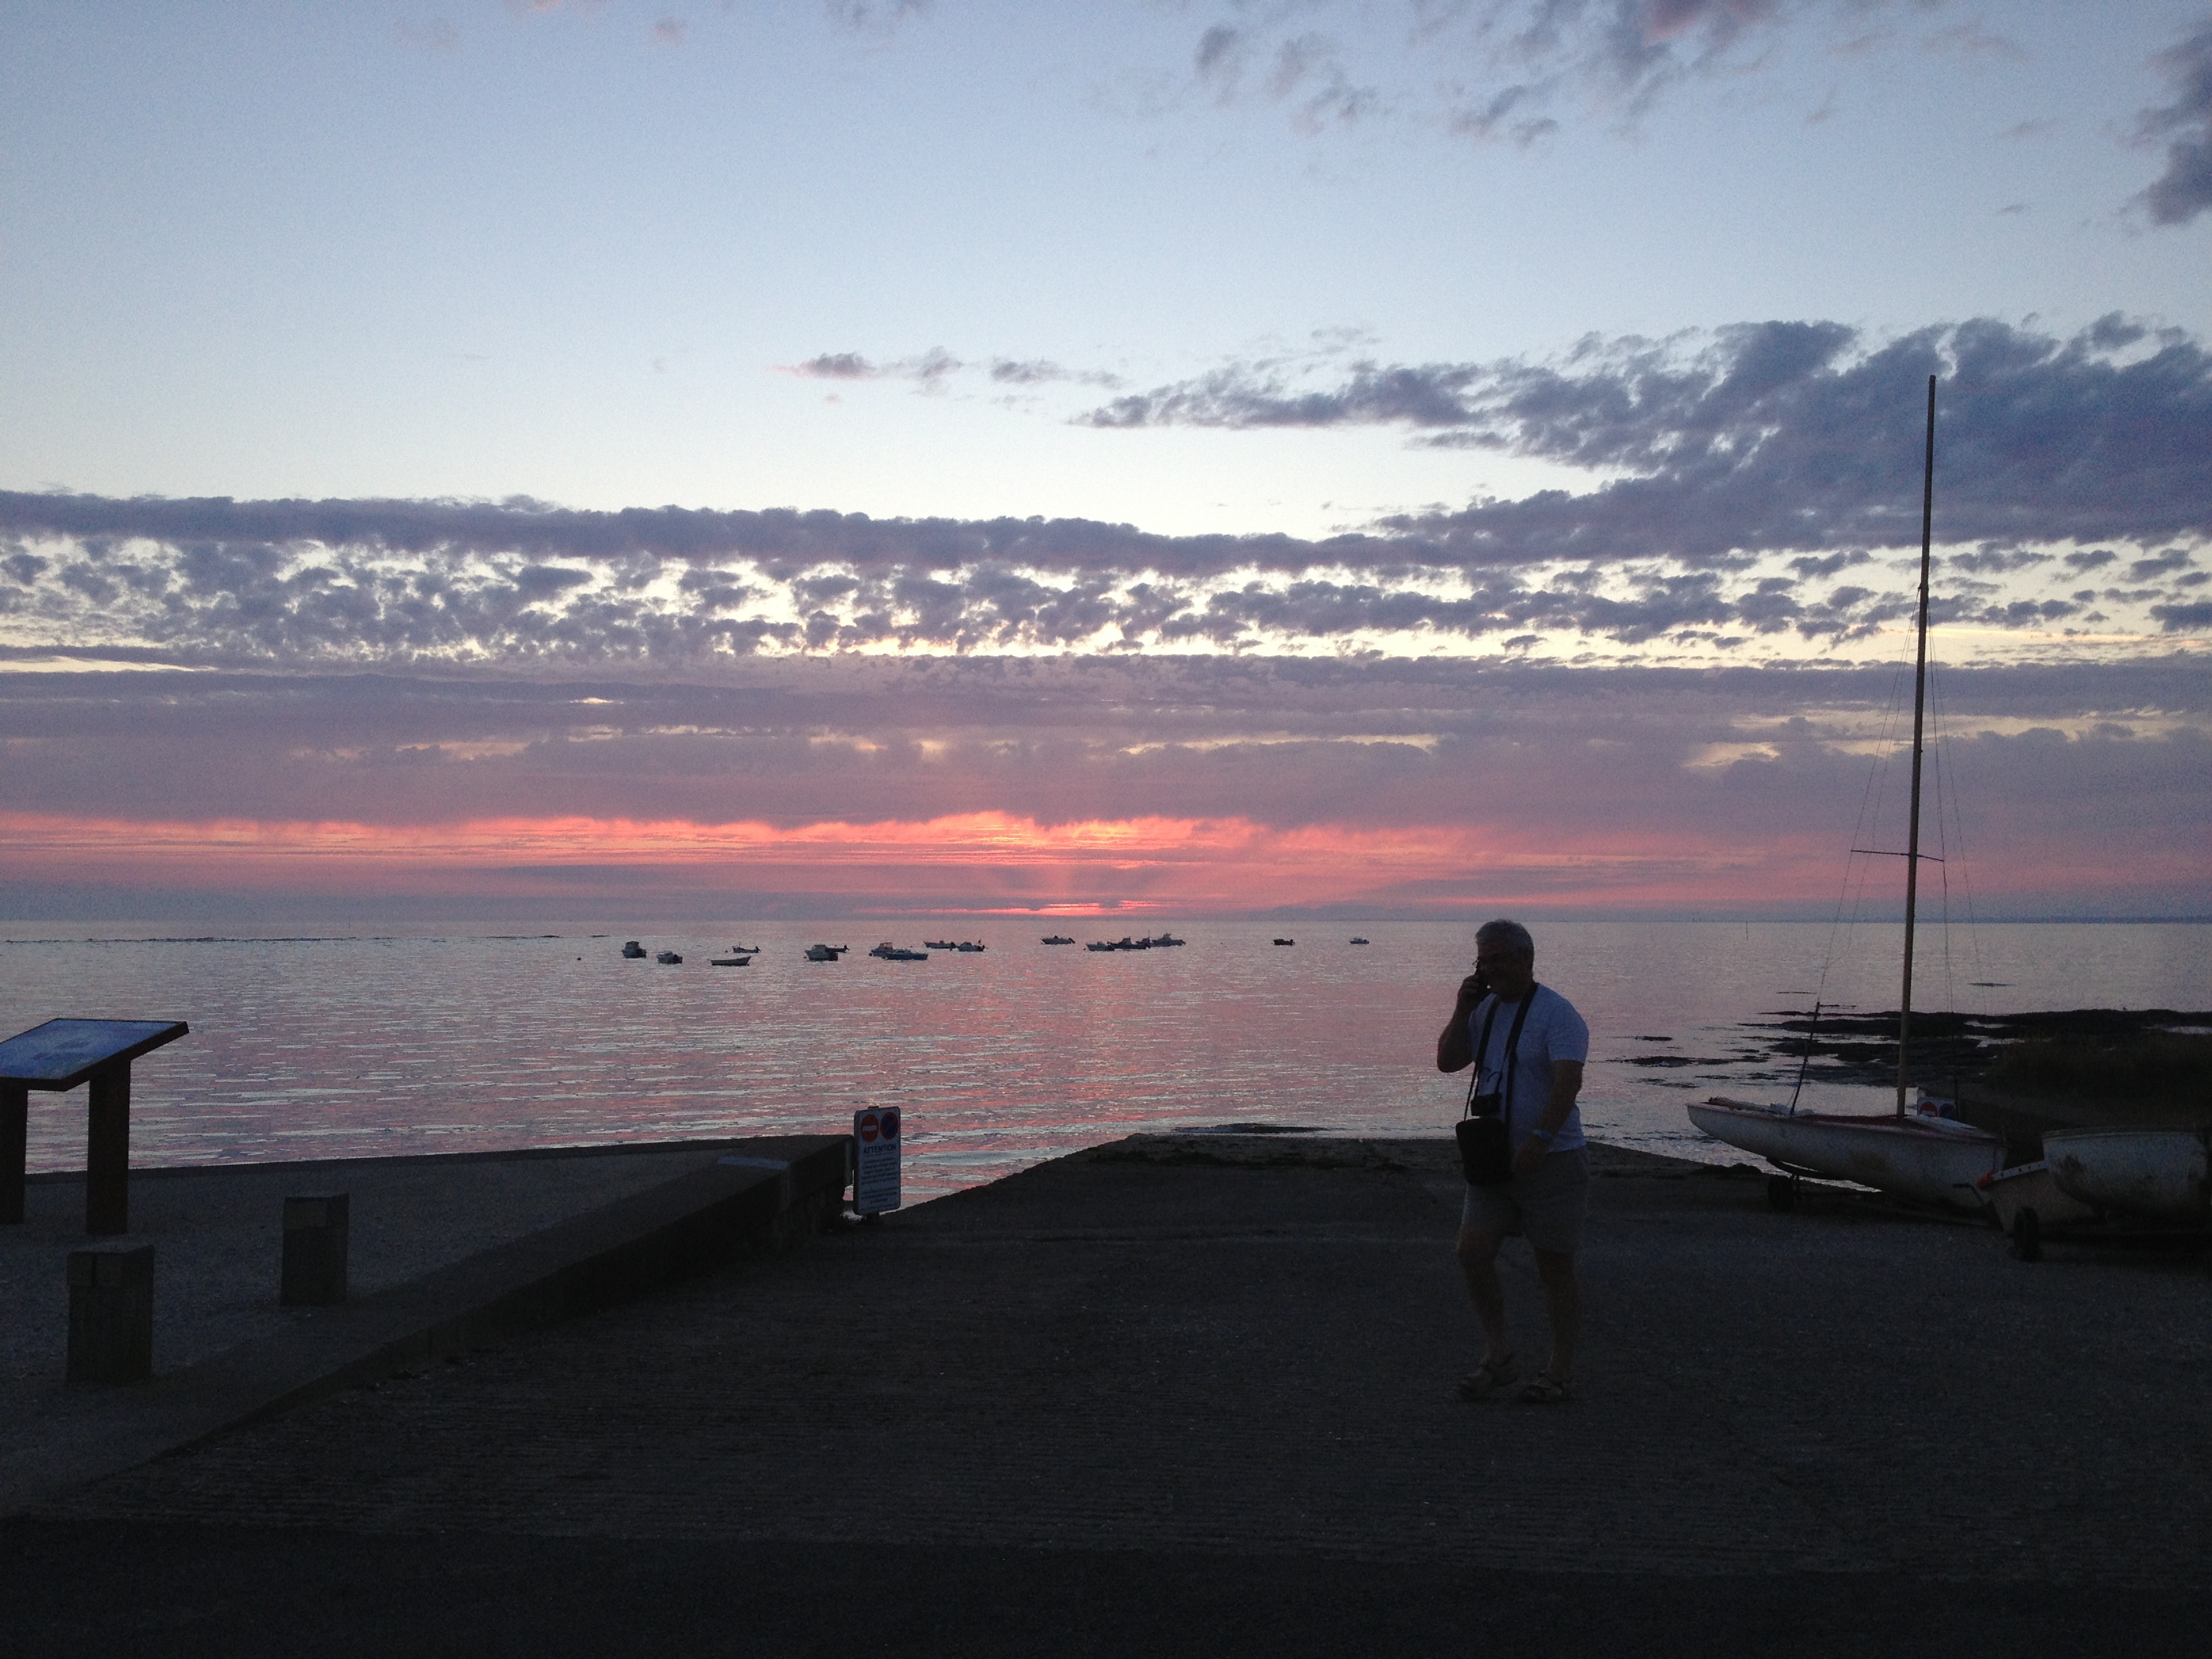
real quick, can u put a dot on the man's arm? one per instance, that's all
(1455, 1046)
(1567, 1084)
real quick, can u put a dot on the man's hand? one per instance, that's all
(1529, 1156)
(1455, 1046)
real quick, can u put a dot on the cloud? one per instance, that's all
(2184, 124)
(933, 369)
(1171, 781)
(1496, 68)
(1745, 484)
(670, 31)
(929, 370)
(1779, 435)
(876, 18)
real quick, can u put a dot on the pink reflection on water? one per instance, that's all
(354, 1046)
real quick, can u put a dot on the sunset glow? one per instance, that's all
(983, 862)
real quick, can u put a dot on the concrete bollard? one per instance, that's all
(111, 1328)
(315, 1274)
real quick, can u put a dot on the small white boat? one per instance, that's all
(1936, 1160)
(826, 952)
(2157, 1175)
(1914, 1154)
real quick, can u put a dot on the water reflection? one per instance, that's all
(310, 1048)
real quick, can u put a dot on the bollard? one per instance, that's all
(111, 1328)
(314, 1273)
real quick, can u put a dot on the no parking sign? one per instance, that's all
(876, 1160)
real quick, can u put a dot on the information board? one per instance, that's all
(876, 1140)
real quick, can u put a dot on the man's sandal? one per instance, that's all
(1546, 1389)
(1486, 1379)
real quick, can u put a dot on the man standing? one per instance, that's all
(1538, 1075)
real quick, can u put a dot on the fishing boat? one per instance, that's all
(1163, 941)
(968, 947)
(826, 952)
(633, 952)
(887, 952)
(669, 959)
(729, 962)
(939, 945)
(1286, 941)
(1058, 939)
(1355, 939)
(1915, 1153)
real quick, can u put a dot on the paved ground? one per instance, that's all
(1116, 1405)
(218, 1232)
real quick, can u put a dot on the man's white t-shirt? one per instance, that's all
(1553, 1030)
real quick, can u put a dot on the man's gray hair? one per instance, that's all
(1510, 935)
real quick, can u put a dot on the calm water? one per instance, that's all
(331, 1047)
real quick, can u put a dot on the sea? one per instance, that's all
(348, 1043)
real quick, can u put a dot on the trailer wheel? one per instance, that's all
(2027, 1236)
(1781, 1193)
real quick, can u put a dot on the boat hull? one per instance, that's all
(2034, 1188)
(2160, 1174)
(1934, 1160)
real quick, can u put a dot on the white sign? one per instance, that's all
(876, 1161)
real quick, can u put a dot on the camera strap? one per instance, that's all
(1512, 1055)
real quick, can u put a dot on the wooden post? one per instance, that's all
(313, 1270)
(108, 1152)
(14, 1139)
(111, 1328)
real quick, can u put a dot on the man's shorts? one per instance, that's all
(1548, 1206)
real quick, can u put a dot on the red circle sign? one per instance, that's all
(868, 1125)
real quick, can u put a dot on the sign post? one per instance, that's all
(876, 1161)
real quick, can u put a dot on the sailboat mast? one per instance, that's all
(1919, 714)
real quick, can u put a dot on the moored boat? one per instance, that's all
(826, 952)
(1936, 1159)
(1058, 939)
(633, 952)
(1913, 1154)
(668, 958)
(2154, 1175)
(729, 962)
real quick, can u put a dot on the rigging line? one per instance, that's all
(1966, 882)
(1871, 795)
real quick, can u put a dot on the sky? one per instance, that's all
(900, 457)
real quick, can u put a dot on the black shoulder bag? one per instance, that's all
(1486, 1149)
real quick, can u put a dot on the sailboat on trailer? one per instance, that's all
(1914, 1154)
